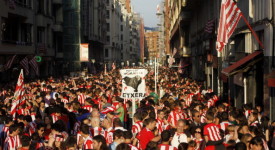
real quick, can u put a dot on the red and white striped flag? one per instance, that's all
(9, 63)
(230, 15)
(113, 66)
(25, 65)
(34, 65)
(105, 69)
(19, 92)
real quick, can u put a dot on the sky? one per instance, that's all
(148, 10)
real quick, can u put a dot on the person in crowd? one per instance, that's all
(148, 133)
(179, 136)
(165, 141)
(99, 143)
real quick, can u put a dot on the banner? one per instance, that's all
(133, 83)
(19, 92)
(84, 52)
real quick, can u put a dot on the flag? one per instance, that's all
(105, 69)
(113, 66)
(24, 63)
(9, 63)
(158, 9)
(230, 15)
(174, 52)
(209, 26)
(34, 65)
(18, 95)
(180, 66)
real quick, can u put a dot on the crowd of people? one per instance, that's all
(88, 113)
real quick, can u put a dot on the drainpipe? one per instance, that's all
(245, 90)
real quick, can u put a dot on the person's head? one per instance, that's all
(95, 122)
(128, 135)
(256, 143)
(196, 116)
(95, 114)
(70, 143)
(231, 129)
(123, 146)
(165, 136)
(118, 136)
(106, 123)
(14, 130)
(253, 117)
(183, 146)
(47, 120)
(84, 130)
(181, 125)
(240, 146)
(191, 145)
(40, 129)
(150, 123)
(152, 146)
(99, 143)
(209, 117)
(246, 138)
(161, 114)
(117, 122)
(198, 133)
(25, 141)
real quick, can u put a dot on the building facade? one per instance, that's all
(31, 28)
(122, 39)
(152, 42)
(243, 72)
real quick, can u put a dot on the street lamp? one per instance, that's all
(122, 64)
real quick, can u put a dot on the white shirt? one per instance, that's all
(178, 138)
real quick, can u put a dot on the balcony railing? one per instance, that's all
(19, 43)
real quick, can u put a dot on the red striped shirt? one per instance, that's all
(212, 131)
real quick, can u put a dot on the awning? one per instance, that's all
(243, 64)
(271, 79)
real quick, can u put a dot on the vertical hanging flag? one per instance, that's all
(34, 65)
(113, 66)
(25, 64)
(105, 69)
(158, 9)
(230, 15)
(9, 63)
(19, 92)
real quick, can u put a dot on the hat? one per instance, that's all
(110, 110)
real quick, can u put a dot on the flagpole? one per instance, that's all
(155, 75)
(253, 32)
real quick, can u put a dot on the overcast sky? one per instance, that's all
(148, 10)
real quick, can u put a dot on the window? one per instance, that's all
(26, 33)
(40, 35)
(108, 38)
(121, 37)
(121, 27)
(107, 2)
(106, 53)
(108, 14)
(40, 6)
(108, 26)
(121, 45)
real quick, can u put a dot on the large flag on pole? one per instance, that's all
(230, 15)
(19, 92)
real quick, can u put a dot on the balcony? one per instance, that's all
(57, 2)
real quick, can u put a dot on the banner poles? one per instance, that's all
(253, 32)
(155, 75)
